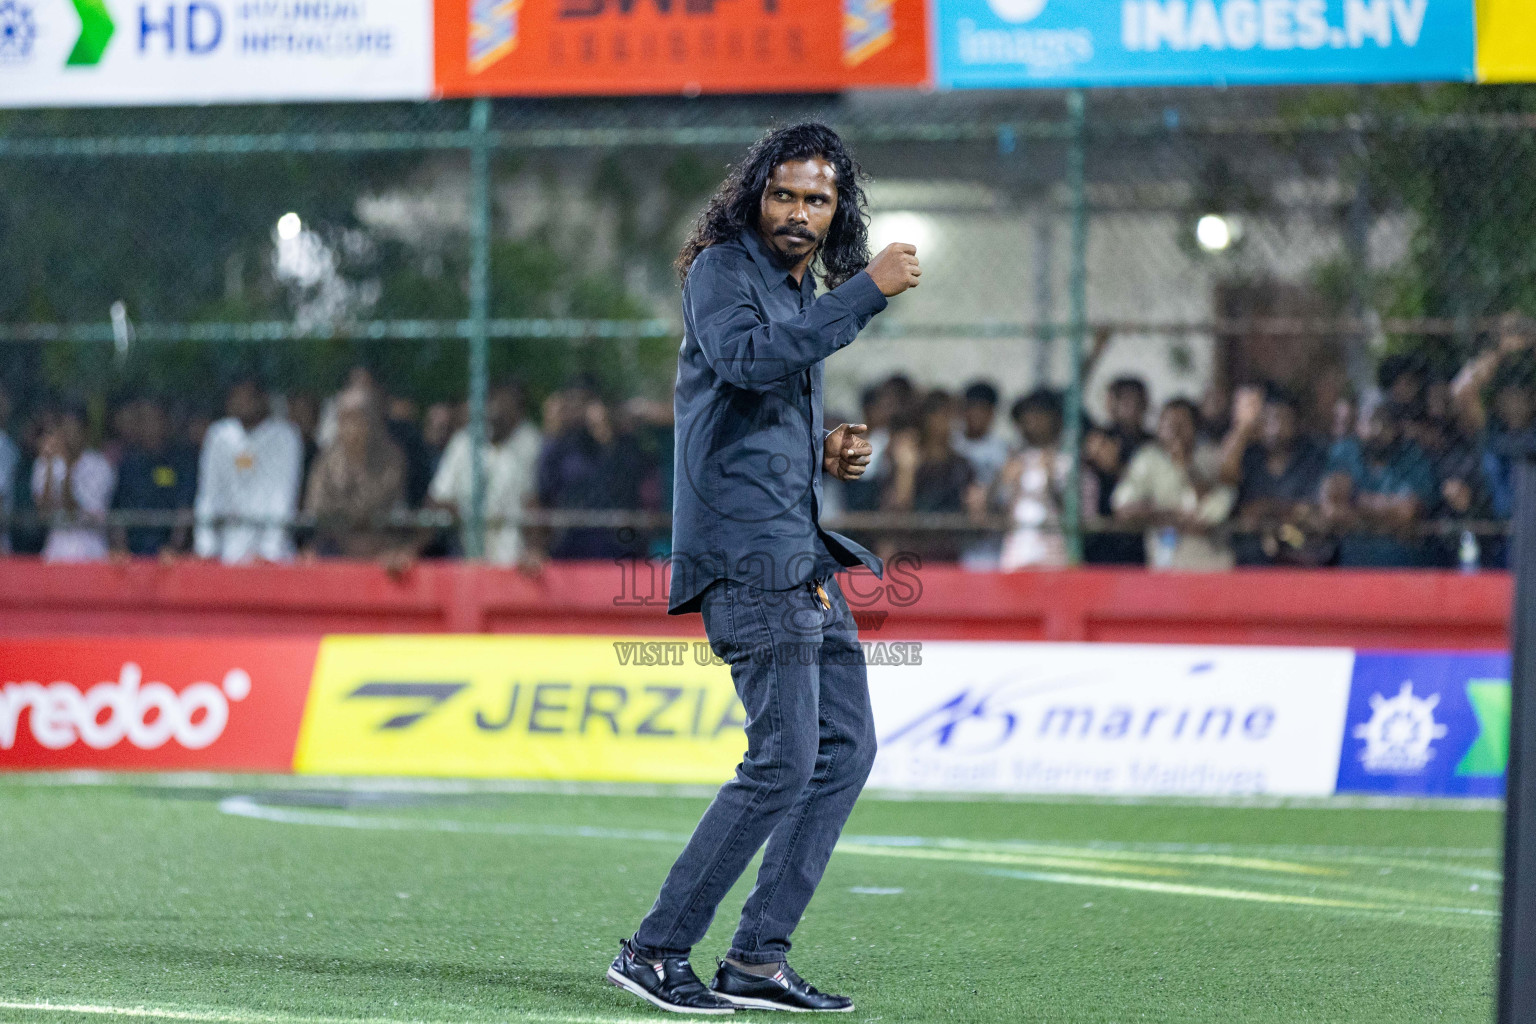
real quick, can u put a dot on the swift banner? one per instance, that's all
(144, 703)
(120, 52)
(1008, 43)
(606, 47)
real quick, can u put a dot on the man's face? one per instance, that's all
(247, 404)
(1406, 388)
(438, 427)
(503, 410)
(1279, 426)
(1514, 408)
(1378, 432)
(797, 207)
(1102, 448)
(1128, 408)
(978, 417)
(1176, 429)
(152, 426)
(72, 431)
(1041, 428)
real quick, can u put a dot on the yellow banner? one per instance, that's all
(1506, 41)
(611, 709)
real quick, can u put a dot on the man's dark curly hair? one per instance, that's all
(734, 208)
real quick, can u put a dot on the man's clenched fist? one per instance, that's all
(895, 269)
(845, 453)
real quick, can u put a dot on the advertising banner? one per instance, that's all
(1506, 41)
(609, 709)
(951, 716)
(1427, 724)
(120, 52)
(609, 47)
(146, 703)
(1010, 43)
(1111, 719)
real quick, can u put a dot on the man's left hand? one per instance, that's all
(845, 453)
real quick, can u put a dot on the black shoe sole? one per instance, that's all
(748, 1003)
(617, 979)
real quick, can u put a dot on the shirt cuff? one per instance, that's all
(862, 295)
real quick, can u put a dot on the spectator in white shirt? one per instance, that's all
(986, 452)
(75, 483)
(973, 437)
(510, 457)
(248, 481)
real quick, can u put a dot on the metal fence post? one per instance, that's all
(479, 315)
(1077, 327)
(1517, 982)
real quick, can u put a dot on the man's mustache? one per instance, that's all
(802, 233)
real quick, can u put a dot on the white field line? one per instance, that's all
(246, 807)
(1111, 864)
(1205, 854)
(1225, 893)
(410, 784)
(218, 1016)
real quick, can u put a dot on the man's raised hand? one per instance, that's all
(895, 269)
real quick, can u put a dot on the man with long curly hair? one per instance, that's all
(749, 553)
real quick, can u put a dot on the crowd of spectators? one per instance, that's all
(290, 477)
(1414, 472)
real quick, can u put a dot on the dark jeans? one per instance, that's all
(810, 744)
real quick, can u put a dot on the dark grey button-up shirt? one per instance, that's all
(747, 490)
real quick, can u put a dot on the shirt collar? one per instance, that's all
(774, 274)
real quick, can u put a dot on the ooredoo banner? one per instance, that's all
(120, 52)
(994, 44)
(145, 703)
(606, 47)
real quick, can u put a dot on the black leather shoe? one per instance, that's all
(784, 990)
(670, 984)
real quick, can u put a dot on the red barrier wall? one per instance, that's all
(1402, 610)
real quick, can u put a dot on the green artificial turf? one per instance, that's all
(135, 897)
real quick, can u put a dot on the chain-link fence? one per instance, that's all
(1308, 276)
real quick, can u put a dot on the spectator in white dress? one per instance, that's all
(1031, 485)
(74, 483)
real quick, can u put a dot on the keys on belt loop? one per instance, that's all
(823, 595)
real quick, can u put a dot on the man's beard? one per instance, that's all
(788, 260)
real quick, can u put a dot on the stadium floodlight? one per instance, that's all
(289, 226)
(1216, 233)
